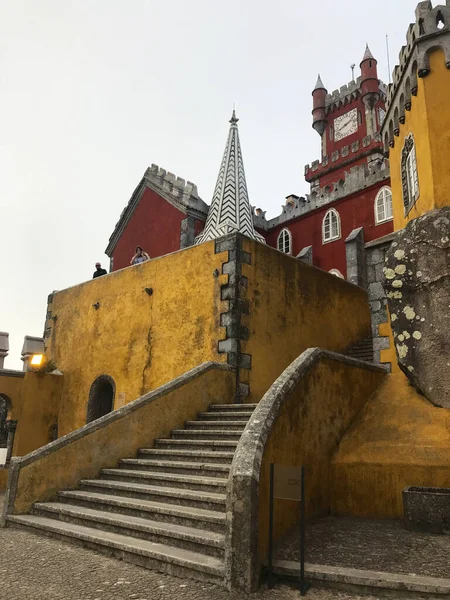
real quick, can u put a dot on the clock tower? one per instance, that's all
(349, 122)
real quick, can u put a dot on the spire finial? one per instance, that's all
(234, 118)
(367, 54)
(319, 84)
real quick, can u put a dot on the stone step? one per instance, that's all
(189, 444)
(232, 407)
(169, 495)
(191, 538)
(216, 425)
(189, 516)
(176, 467)
(201, 456)
(152, 555)
(190, 482)
(226, 416)
(209, 434)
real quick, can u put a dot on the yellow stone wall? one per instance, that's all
(292, 307)
(429, 122)
(140, 341)
(35, 404)
(399, 439)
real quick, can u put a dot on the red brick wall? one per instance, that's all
(155, 225)
(354, 211)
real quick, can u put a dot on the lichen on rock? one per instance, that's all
(417, 286)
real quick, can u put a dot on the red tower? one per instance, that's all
(370, 84)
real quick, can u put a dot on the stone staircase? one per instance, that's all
(164, 509)
(363, 350)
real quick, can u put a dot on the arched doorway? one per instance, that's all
(5, 407)
(101, 398)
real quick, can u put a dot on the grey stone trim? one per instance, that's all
(241, 556)
(380, 584)
(355, 257)
(386, 239)
(18, 462)
(181, 194)
(356, 179)
(234, 291)
(306, 255)
(11, 373)
(187, 232)
(375, 253)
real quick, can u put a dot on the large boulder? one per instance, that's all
(417, 285)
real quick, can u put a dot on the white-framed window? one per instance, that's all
(331, 226)
(383, 205)
(284, 242)
(410, 180)
(336, 272)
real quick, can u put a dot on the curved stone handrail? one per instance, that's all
(242, 564)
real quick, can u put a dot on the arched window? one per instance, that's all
(331, 226)
(383, 205)
(410, 181)
(101, 398)
(336, 272)
(284, 242)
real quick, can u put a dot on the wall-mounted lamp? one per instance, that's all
(36, 360)
(96, 305)
(149, 291)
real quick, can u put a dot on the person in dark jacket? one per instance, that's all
(99, 271)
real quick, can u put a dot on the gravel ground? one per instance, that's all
(35, 567)
(378, 545)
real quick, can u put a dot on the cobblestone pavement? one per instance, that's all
(35, 567)
(378, 545)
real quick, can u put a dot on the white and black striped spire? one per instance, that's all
(230, 210)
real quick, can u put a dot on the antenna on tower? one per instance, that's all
(388, 61)
(352, 67)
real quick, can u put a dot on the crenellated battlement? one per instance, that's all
(431, 31)
(356, 179)
(316, 169)
(177, 186)
(347, 93)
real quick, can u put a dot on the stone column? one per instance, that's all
(355, 256)
(4, 347)
(31, 345)
(11, 427)
(306, 255)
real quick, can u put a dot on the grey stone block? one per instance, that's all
(376, 291)
(375, 256)
(427, 509)
(380, 343)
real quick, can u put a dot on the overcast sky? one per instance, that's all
(94, 91)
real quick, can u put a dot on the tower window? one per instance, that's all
(331, 132)
(284, 242)
(359, 117)
(331, 226)
(383, 206)
(410, 180)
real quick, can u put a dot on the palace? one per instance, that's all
(147, 417)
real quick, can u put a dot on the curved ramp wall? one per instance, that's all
(300, 421)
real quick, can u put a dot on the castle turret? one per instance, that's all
(370, 85)
(319, 117)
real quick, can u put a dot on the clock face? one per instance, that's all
(345, 125)
(381, 115)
